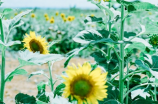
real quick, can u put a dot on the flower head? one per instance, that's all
(85, 85)
(64, 19)
(47, 18)
(15, 13)
(35, 43)
(52, 21)
(92, 15)
(57, 13)
(62, 15)
(45, 15)
(33, 15)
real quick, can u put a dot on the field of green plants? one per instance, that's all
(120, 42)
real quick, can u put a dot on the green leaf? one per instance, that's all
(142, 64)
(136, 45)
(150, 29)
(144, 79)
(36, 73)
(140, 92)
(93, 19)
(10, 76)
(25, 63)
(41, 86)
(111, 102)
(119, 1)
(59, 90)
(7, 11)
(101, 60)
(2, 102)
(144, 101)
(41, 93)
(1, 3)
(73, 53)
(38, 58)
(3, 45)
(113, 94)
(40, 102)
(104, 40)
(153, 66)
(155, 63)
(17, 18)
(18, 24)
(129, 34)
(87, 36)
(24, 99)
(10, 43)
(139, 6)
(53, 42)
(106, 9)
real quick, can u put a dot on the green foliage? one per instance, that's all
(93, 19)
(139, 6)
(109, 65)
(37, 58)
(17, 71)
(144, 101)
(25, 99)
(154, 40)
(17, 18)
(41, 96)
(113, 95)
(36, 73)
(7, 11)
(59, 90)
(72, 54)
(2, 102)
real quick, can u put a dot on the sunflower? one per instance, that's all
(33, 15)
(15, 14)
(52, 17)
(47, 18)
(92, 15)
(69, 18)
(51, 21)
(35, 43)
(64, 19)
(85, 85)
(45, 15)
(62, 15)
(57, 13)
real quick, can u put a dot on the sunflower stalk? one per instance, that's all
(127, 80)
(155, 95)
(109, 48)
(3, 65)
(121, 62)
(50, 73)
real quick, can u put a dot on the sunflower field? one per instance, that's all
(73, 56)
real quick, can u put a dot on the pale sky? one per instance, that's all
(54, 3)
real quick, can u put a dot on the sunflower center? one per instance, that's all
(36, 46)
(82, 88)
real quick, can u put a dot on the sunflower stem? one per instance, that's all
(121, 62)
(3, 65)
(127, 80)
(108, 48)
(155, 95)
(50, 73)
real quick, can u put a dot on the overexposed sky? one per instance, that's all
(54, 3)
